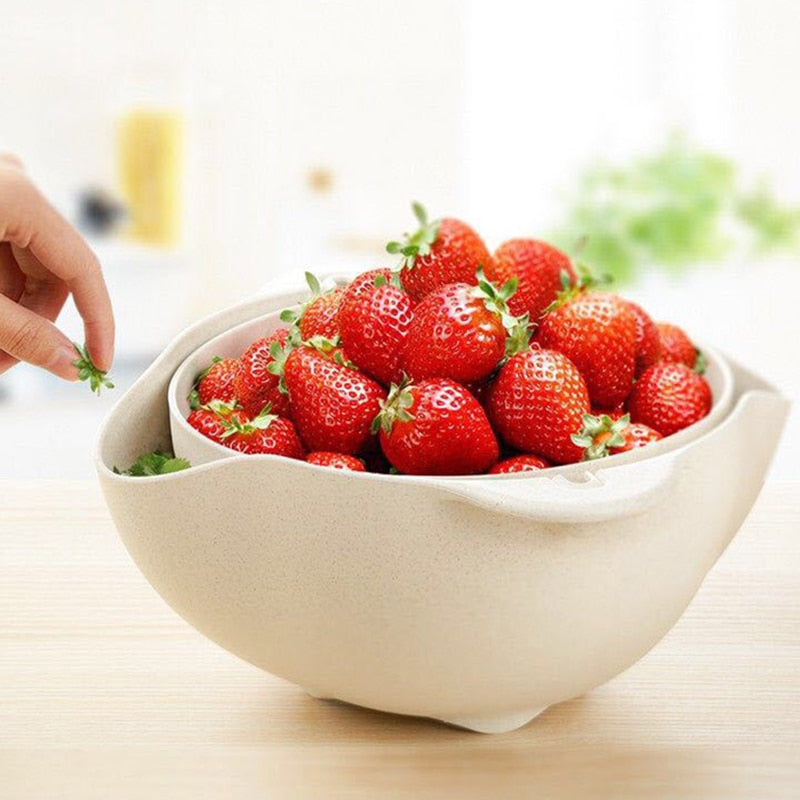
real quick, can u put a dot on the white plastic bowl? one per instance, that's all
(192, 445)
(478, 601)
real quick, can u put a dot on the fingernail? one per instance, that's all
(63, 363)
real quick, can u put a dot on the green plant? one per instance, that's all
(155, 463)
(671, 209)
(88, 371)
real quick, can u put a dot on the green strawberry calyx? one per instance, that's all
(279, 353)
(330, 348)
(599, 434)
(156, 463)
(570, 289)
(496, 301)
(89, 371)
(233, 425)
(292, 316)
(700, 363)
(393, 280)
(395, 407)
(418, 244)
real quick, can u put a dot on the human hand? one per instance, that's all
(43, 260)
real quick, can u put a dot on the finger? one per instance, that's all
(26, 336)
(44, 299)
(9, 159)
(12, 281)
(31, 223)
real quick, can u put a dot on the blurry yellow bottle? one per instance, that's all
(150, 164)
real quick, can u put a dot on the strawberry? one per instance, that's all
(319, 315)
(440, 252)
(462, 332)
(523, 463)
(669, 397)
(597, 332)
(254, 385)
(435, 427)
(265, 434)
(541, 271)
(678, 348)
(216, 382)
(373, 324)
(336, 461)
(210, 419)
(364, 284)
(333, 404)
(648, 341)
(602, 435)
(537, 401)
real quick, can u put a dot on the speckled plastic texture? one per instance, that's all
(476, 601)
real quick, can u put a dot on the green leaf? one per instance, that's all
(700, 363)
(671, 209)
(417, 244)
(155, 463)
(313, 284)
(87, 370)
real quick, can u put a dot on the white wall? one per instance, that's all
(369, 91)
(550, 86)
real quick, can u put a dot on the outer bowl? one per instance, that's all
(192, 445)
(476, 601)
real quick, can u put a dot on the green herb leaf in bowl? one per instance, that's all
(155, 463)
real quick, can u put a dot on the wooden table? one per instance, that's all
(106, 693)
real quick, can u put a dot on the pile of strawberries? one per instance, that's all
(456, 362)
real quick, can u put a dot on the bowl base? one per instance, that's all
(500, 723)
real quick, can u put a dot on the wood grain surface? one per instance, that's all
(106, 693)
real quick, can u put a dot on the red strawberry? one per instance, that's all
(440, 252)
(336, 461)
(678, 348)
(255, 386)
(333, 405)
(597, 332)
(540, 270)
(364, 284)
(523, 463)
(373, 325)
(319, 315)
(210, 420)
(265, 434)
(669, 397)
(216, 382)
(436, 427)
(537, 401)
(462, 332)
(648, 341)
(602, 435)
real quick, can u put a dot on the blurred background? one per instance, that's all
(208, 148)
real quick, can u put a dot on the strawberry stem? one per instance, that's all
(395, 407)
